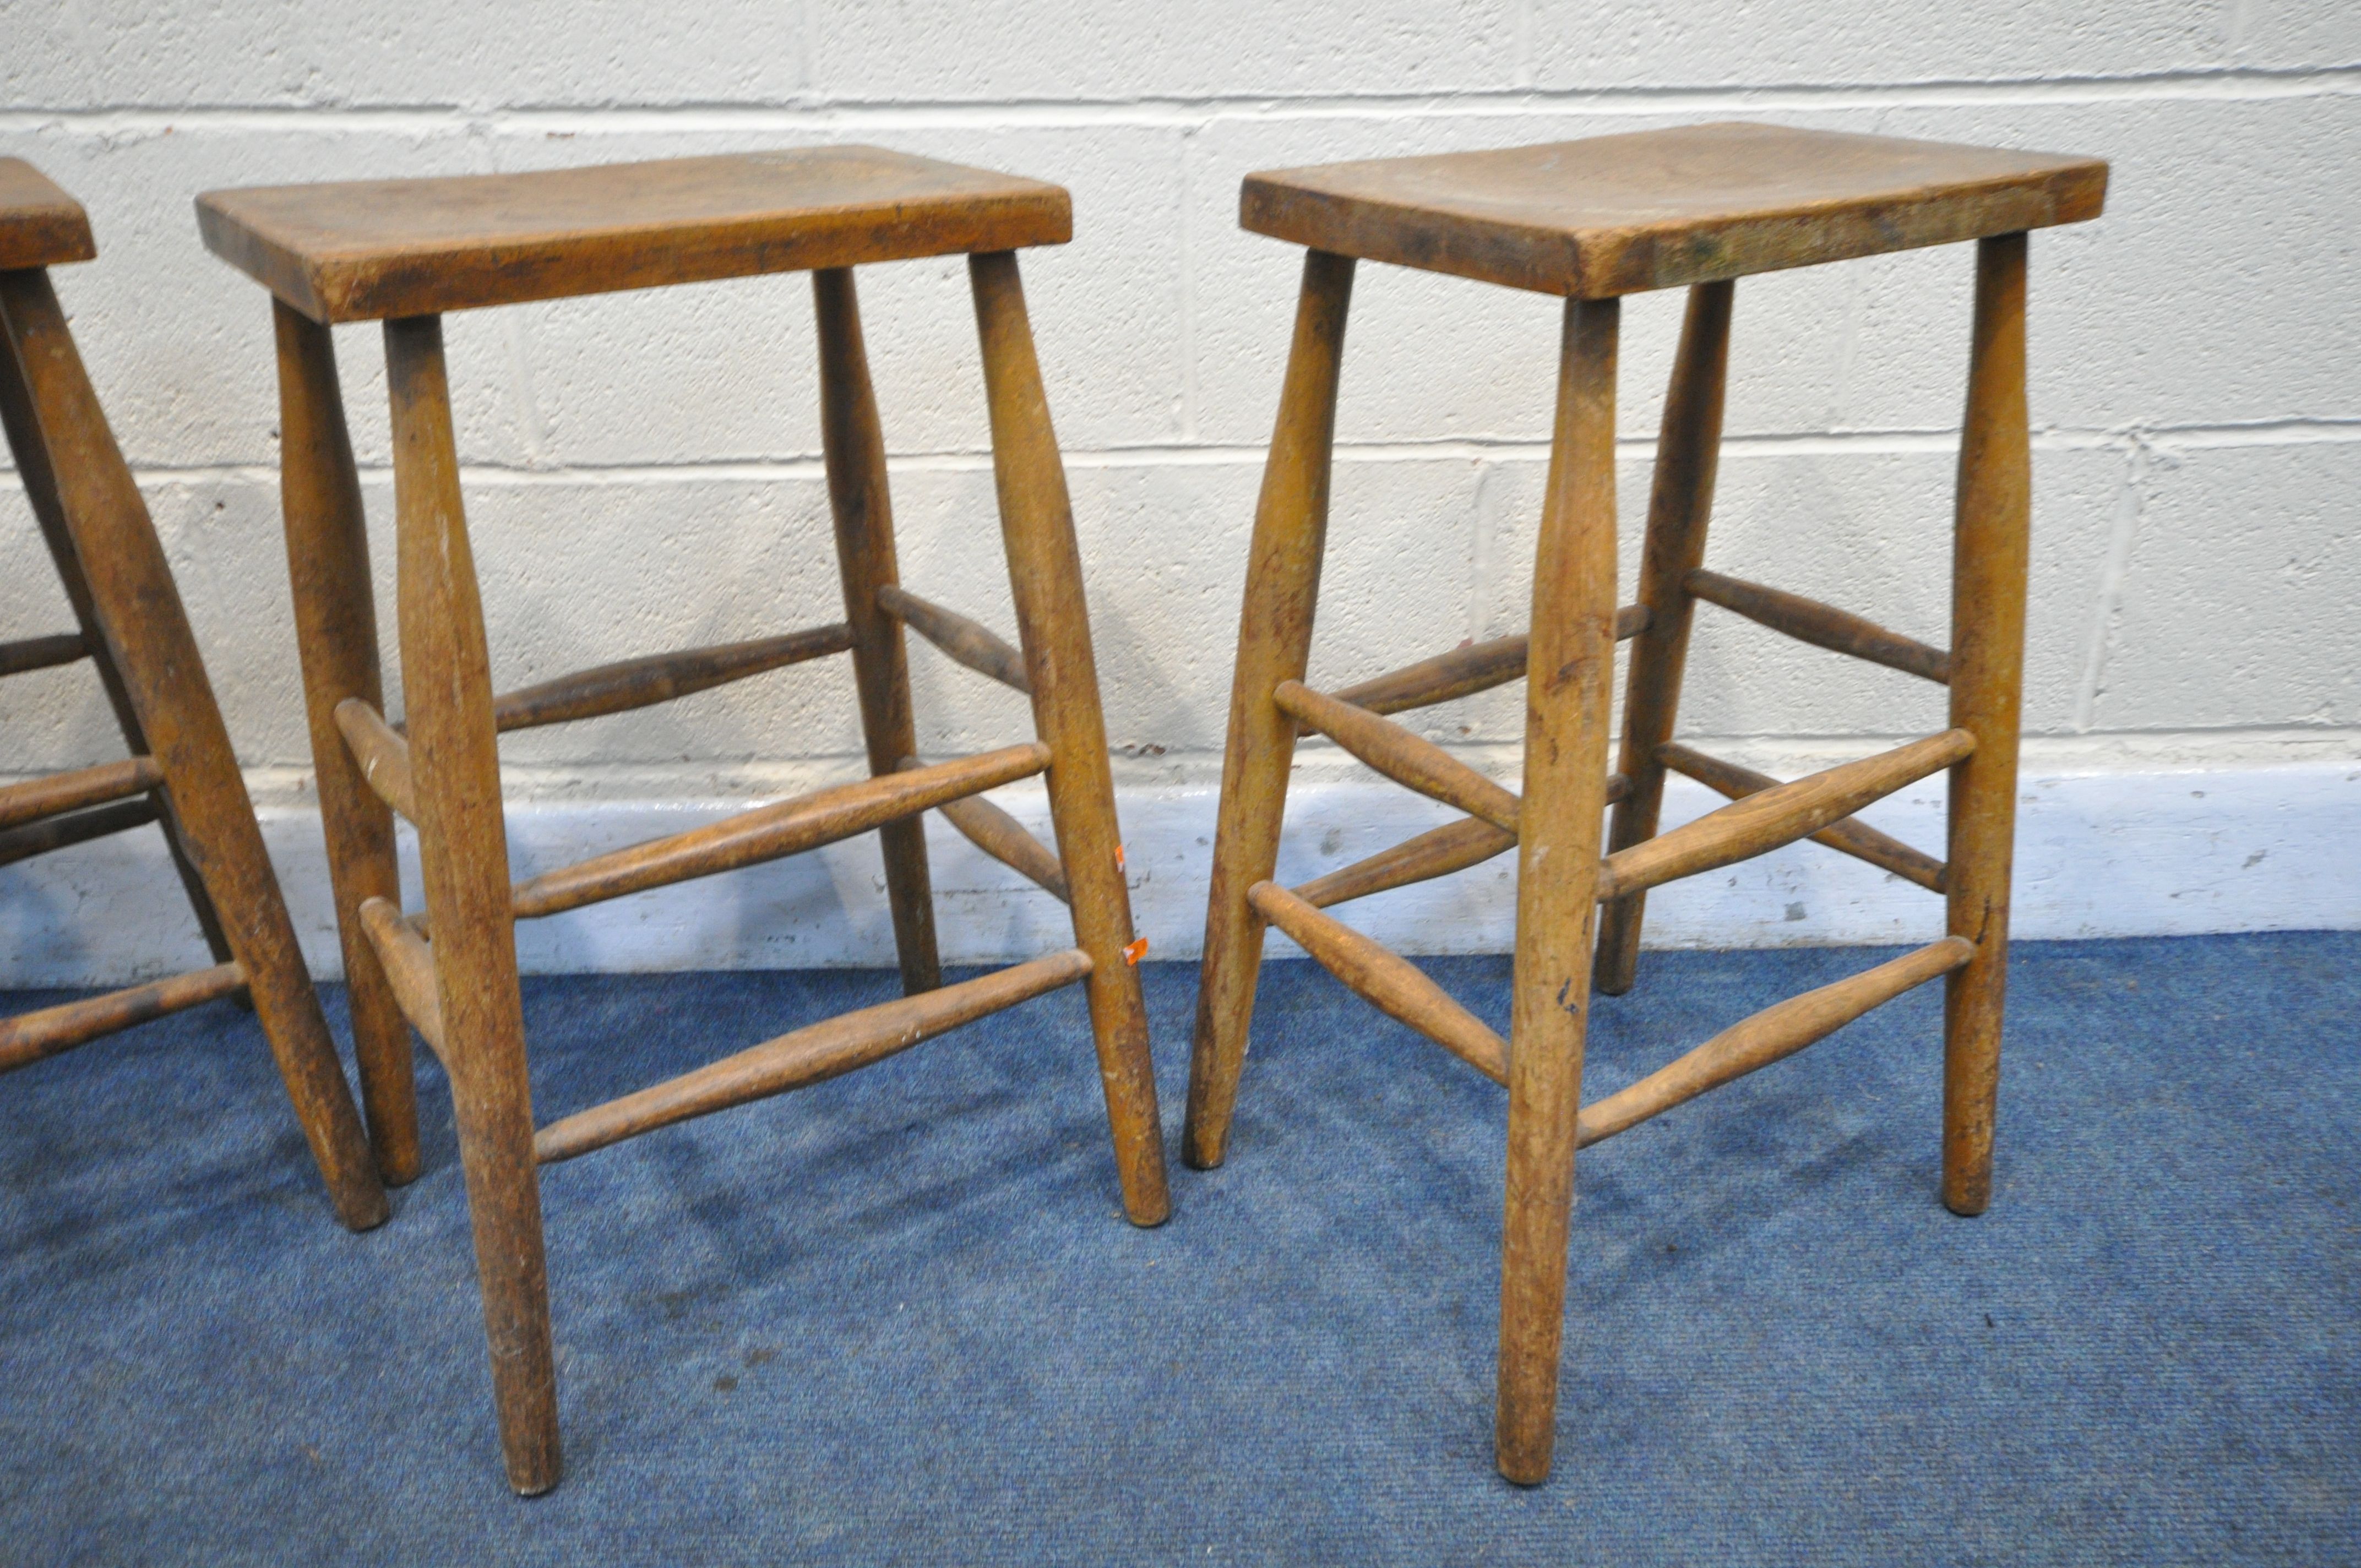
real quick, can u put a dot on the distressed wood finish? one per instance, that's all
(1680, 505)
(854, 448)
(75, 828)
(34, 1036)
(769, 832)
(336, 635)
(1005, 839)
(83, 494)
(374, 248)
(58, 793)
(1990, 556)
(382, 754)
(1858, 840)
(1567, 702)
(1044, 575)
(40, 225)
(1772, 1035)
(1282, 591)
(660, 677)
(1477, 666)
(810, 1055)
(462, 852)
(1618, 214)
(1391, 984)
(961, 640)
(1437, 852)
(1822, 625)
(1412, 762)
(1756, 824)
(410, 968)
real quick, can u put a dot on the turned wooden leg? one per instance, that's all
(1688, 449)
(41, 493)
(1988, 571)
(147, 633)
(1567, 698)
(463, 849)
(1274, 645)
(1044, 572)
(855, 452)
(336, 630)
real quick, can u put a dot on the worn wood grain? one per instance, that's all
(40, 225)
(1856, 838)
(383, 755)
(32, 799)
(963, 641)
(410, 967)
(1477, 666)
(1005, 839)
(1822, 625)
(1619, 214)
(1409, 760)
(659, 678)
(74, 828)
(34, 1036)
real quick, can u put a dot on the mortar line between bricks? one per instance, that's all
(820, 111)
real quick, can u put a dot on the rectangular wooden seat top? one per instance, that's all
(374, 249)
(40, 225)
(1620, 214)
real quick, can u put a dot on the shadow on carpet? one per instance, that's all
(898, 1318)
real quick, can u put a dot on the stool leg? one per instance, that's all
(463, 850)
(1045, 573)
(854, 449)
(335, 630)
(1274, 645)
(49, 511)
(1568, 705)
(146, 630)
(1688, 450)
(1988, 572)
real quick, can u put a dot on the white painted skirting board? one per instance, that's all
(2160, 852)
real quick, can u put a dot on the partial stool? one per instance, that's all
(406, 251)
(1595, 219)
(182, 773)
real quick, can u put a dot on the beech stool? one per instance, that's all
(1595, 219)
(406, 251)
(182, 773)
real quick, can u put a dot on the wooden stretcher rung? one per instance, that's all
(1822, 625)
(1775, 1032)
(808, 1056)
(75, 828)
(1437, 852)
(32, 1037)
(1401, 756)
(1854, 838)
(766, 833)
(382, 751)
(1005, 839)
(1761, 823)
(1462, 672)
(61, 793)
(408, 965)
(963, 641)
(660, 677)
(1385, 979)
(42, 652)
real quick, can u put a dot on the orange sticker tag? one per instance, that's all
(1135, 951)
(1118, 857)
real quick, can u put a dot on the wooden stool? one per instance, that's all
(1594, 220)
(182, 773)
(408, 250)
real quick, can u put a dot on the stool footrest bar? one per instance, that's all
(1437, 852)
(1769, 1036)
(382, 751)
(1005, 839)
(1462, 672)
(42, 652)
(74, 828)
(1822, 625)
(408, 965)
(1855, 838)
(1760, 823)
(808, 1056)
(31, 1036)
(660, 677)
(786, 828)
(61, 793)
(961, 640)
(1399, 755)
(1385, 979)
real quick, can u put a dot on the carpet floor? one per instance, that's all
(898, 1318)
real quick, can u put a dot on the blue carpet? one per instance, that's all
(899, 1319)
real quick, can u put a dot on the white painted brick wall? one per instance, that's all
(644, 472)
